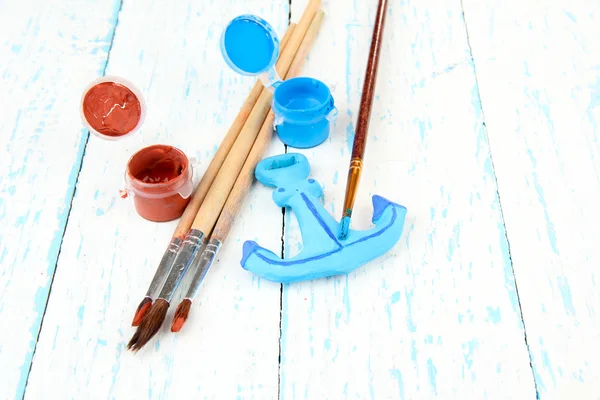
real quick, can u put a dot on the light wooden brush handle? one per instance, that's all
(246, 177)
(219, 191)
(215, 165)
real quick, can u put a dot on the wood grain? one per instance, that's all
(538, 72)
(173, 55)
(49, 52)
(437, 316)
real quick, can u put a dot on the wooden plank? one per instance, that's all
(48, 50)
(437, 316)
(538, 72)
(229, 346)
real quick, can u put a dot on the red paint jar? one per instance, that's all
(112, 108)
(159, 178)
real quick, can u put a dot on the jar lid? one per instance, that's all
(112, 108)
(250, 45)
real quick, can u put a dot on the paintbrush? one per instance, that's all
(219, 191)
(186, 220)
(364, 117)
(202, 264)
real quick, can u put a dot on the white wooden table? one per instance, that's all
(484, 127)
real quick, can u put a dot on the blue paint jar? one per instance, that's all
(303, 107)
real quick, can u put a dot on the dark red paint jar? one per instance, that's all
(159, 178)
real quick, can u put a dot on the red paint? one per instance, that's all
(112, 109)
(161, 179)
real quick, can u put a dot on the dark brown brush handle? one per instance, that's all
(366, 101)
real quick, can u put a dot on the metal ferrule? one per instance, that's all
(351, 189)
(164, 267)
(189, 249)
(201, 265)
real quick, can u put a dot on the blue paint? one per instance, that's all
(388, 311)
(304, 109)
(565, 292)
(570, 16)
(323, 255)
(494, 314)
(303, 106)
(102, 342)
(99, 212)
(450, 249)
(249, 45)
(409, 319)
(350, 135)
(346, 298)
(428, 339)
(398, 377)
(432, 372)
(80, 313)
(549, 225)
(349, 48)
(395, 297)
(335, 177)
(421, 130)
(547, 365)
(327, 344)
(469, 349)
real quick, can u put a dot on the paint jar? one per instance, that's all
(159, 178)
(112, 108)
(303, 107)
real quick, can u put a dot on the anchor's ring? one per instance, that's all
(278, 170)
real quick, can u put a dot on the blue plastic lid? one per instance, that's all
(250, 45)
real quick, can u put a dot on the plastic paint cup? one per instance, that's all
(303, 109)
(159, 177)
(256, 58)
(112, 108)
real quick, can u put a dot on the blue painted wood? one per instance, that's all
(48, 50)
(110, 253)
(538, 68)
(438, 316)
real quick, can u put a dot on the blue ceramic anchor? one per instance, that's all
(323, 254)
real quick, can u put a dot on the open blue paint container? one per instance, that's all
(304, 107)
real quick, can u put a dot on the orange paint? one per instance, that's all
(112, 109)
(161, 180)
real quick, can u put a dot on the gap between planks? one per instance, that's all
(512, 267)
(79, 167)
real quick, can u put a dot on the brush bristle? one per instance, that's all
(141, 311)
(344, 226)
(149, 325)
(181, 315)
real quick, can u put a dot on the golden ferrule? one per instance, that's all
(353, 179)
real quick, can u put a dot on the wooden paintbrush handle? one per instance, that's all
(217, 195)
(366, 101)
(185, 222)
(246, 177)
